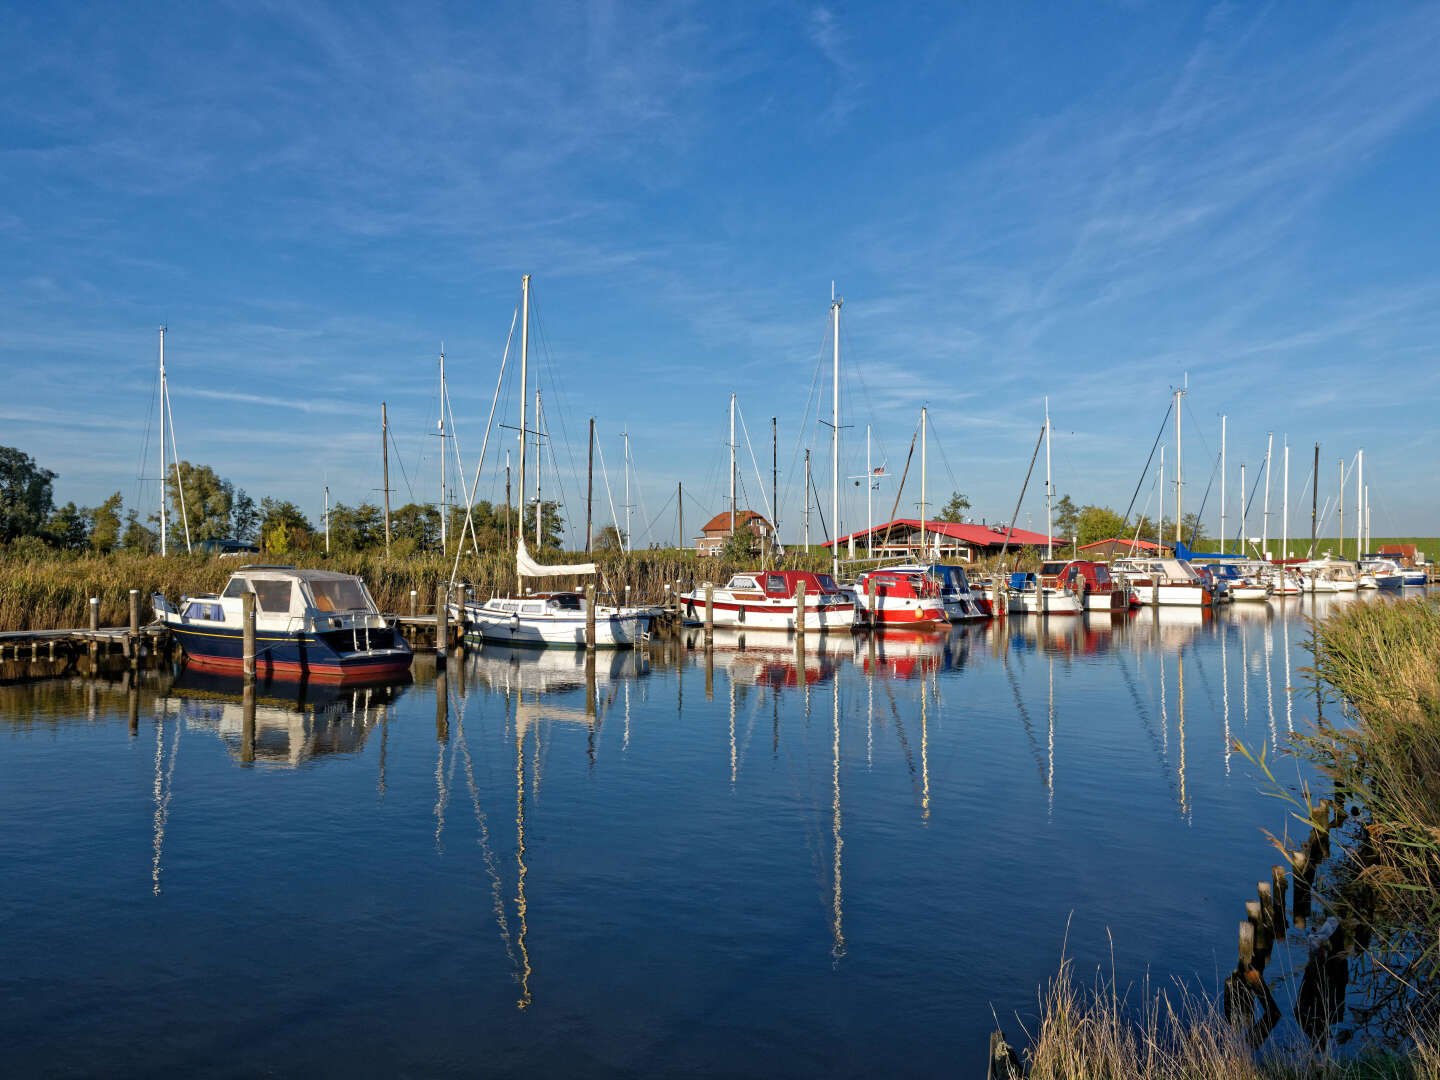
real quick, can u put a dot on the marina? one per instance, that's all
(560, 859)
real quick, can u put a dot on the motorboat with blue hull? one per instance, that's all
(315, 624)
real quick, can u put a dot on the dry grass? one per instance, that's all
(48, 590)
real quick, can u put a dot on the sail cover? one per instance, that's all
(528, 567)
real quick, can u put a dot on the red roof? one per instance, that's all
(721, 522)
(1142, 545)
(975, 535)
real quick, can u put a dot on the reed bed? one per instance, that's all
(43, 590)
(1098, 1033)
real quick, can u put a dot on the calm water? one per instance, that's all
(770, 862)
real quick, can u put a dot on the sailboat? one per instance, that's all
(547, 618)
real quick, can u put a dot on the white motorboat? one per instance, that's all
(1165, 582)
(765, 600)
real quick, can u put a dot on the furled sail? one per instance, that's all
(528, 567)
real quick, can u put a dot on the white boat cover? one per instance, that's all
(528, 567)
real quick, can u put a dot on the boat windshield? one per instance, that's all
(339, 594)
(1050, 569)
(826, 582)
(566, 602)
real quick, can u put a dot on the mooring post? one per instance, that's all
(590, 616)
(94, 627)
(442, 626)
(442, 707)
(870, 602)
(247, 623)
(1278, 884)
(134, 708)
(709, 670)
(590, 683)
(414, 603)
(800, 607)
(1247, 944)
(134, 627)
(709, 611)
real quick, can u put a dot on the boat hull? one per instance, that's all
(563, 630)
(292, 655)
(764, 615)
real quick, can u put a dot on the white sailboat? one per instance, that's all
(547, 618)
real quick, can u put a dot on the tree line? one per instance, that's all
(213, 508)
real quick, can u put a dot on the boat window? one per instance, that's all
(530, 609)
(338, 594)
(1102, 575)
(508, 605)
(774, 583)
(826, 582)
(1051, 568)
(567, 602)
(237, 587)
(743, 583)
(212, 612)
(274, 595)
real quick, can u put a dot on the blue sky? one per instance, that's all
(1090, 201)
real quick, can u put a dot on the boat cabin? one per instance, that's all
(783, 583)
(289, 599)
(904, 585)
(1066, 574)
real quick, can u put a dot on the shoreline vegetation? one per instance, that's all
(1381, 662)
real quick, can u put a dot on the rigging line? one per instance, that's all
(562, 400)
(485, 445)
(605, 475)
(640, 494)
(1248, 503)
(1200, 515)
(145, 442)
(1199, 428)
(1125, 522)
(895, 507)
(564, 500)
(1010, 528)
(824, 530)
(954, 484)
(753, 464)
(651, 526)
(805, 416)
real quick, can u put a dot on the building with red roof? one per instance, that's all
(1118, 546)
(716, 531)
(943, 539)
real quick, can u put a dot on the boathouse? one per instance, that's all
(1117, 547)
(966, 541)
(715, 532)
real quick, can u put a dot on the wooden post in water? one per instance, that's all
(590, 682)
(134, 708)
(1278, 884)
(247, 623)
(414, 603)
(709, 612)
(94, 627)
(870, 602)
(442, 626)
(442, 708)
(590, 617)
(800, 608)
(134, 627)
(709, 670)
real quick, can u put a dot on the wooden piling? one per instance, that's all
(247, 722)
(94, 627)
(870, 602)
(709, 612)
(414, 603)
(442, 708)
(134, 639)
(1247, 944)
(590, 617)
(134, 708)
(442, 626)
(1279, 881)
(800, 607)
(247, 622)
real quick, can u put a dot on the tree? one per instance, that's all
(954, 508)
(282, 526)
(740, 545)
(1067, 517)
(138, 537)
(609, 539)
(243, 516)
(1094, 523)
(355, 528)
(69, 527)
(208, 500)
(1193, 533)
(26, 499)
(105, 523)
(418, 523)
(552, 527)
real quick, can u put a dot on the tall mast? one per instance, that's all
(924, 449)
(1340, 511)
(507, 499)
(732, 465)
(1368, 537)
(385, 474)
(1160, 522)
(1362, 497)
(1178, 481)
(163, 528)
(589, 485)
(327, 519)
(1243, 509)
(524, 390)
(1222, 484)
(807, 501)
(1049, 527)
(444, 545)
(680, 508)
(1314, 499)
(628, 542)
(539, 470)
(835, 304)
(1265, 531)
(1285, 510)
(774, 483)
(869, 496)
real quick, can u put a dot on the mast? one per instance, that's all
(629, 544)
(444, 544)
(774, 484)
(869, 496)
(924, 448)
(1340, 511)
(327, 519)
(1285, 510)
(163, 527)
(1160, 521)
(1265, 531)
(1222, 484)
(1179, 535)
(524, 390)
(732, 466)
(508, 540)
(1368, 537)
(1314, 499)
(835, 304)
(589, 485)
(1362, 499)
(1243, 509)
(385, 474)
(1049, 527)
(680, 505)
(539, 469)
